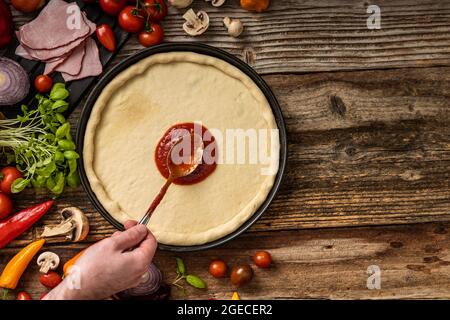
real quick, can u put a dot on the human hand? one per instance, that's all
(107, 267)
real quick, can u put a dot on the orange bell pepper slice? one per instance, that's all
(16, 267)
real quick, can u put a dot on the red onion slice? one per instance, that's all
(151, 284)
(14, 82)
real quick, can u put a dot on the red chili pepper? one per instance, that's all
(106, 37)
(6, 25)
(17, 224)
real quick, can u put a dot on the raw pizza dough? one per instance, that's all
(134, 111)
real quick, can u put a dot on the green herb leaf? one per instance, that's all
(73, 180)
(66, 145)
(60, 106)
(60, 182)
(40, 144)
(39, 181)
(181, 268)
(47, 170)
(19, 184)
(59, 92)
(71, 155)
(195, 281)
(62, 131)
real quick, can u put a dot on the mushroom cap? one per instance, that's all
(217, 3)
(195, 26)
(80, 222)
(48, 261)
(234, 26)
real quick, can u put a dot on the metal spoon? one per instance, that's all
(177, 170)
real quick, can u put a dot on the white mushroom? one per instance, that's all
(216, 3)
(47, 261)
(235, 26)
(180, 4)
(75, 225)
(195, 24)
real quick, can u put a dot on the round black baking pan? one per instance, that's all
(201, 49)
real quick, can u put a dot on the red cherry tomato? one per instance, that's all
(262, 259)
(6, 205)
(7, 176)
(22, 295)
(113, 7)
(152, 35)
(131, 20)
(156, 10)
(43, 83)
(50, 279)
(106, 37)
(218, 268)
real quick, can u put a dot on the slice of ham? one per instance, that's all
(91, 66)
(21, 52)
(50, 29)
(70, 65)
(48, 38)
(51, 54)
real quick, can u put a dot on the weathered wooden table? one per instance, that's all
(368, 179)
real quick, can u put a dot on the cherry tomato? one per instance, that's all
(152, 35)
(22, 295)
(156, 10)
(50, 279)
(218, 268)
(106, 37)
(27, 6)
(43, 83)
(113, 7)
(7, 176)
(6, 205)
(131, 19)
(241, 275)
(262, 259)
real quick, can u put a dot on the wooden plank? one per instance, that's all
(319, 35)
(309, 36)
(326, 264)
(365, 148)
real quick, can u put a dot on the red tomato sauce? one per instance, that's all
(171, 136)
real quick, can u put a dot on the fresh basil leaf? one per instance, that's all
(19, 184)
(195, 281)
(59, 92)
(47, 170)
(181, 268)
(73, 180)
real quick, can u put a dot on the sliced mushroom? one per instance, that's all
(216, 3)
(195, 24)
(47, 261)
(180, 4)
(235, 26)
(75, 225)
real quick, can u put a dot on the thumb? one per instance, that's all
(131, 237)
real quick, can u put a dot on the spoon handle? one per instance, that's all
(156, 201)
